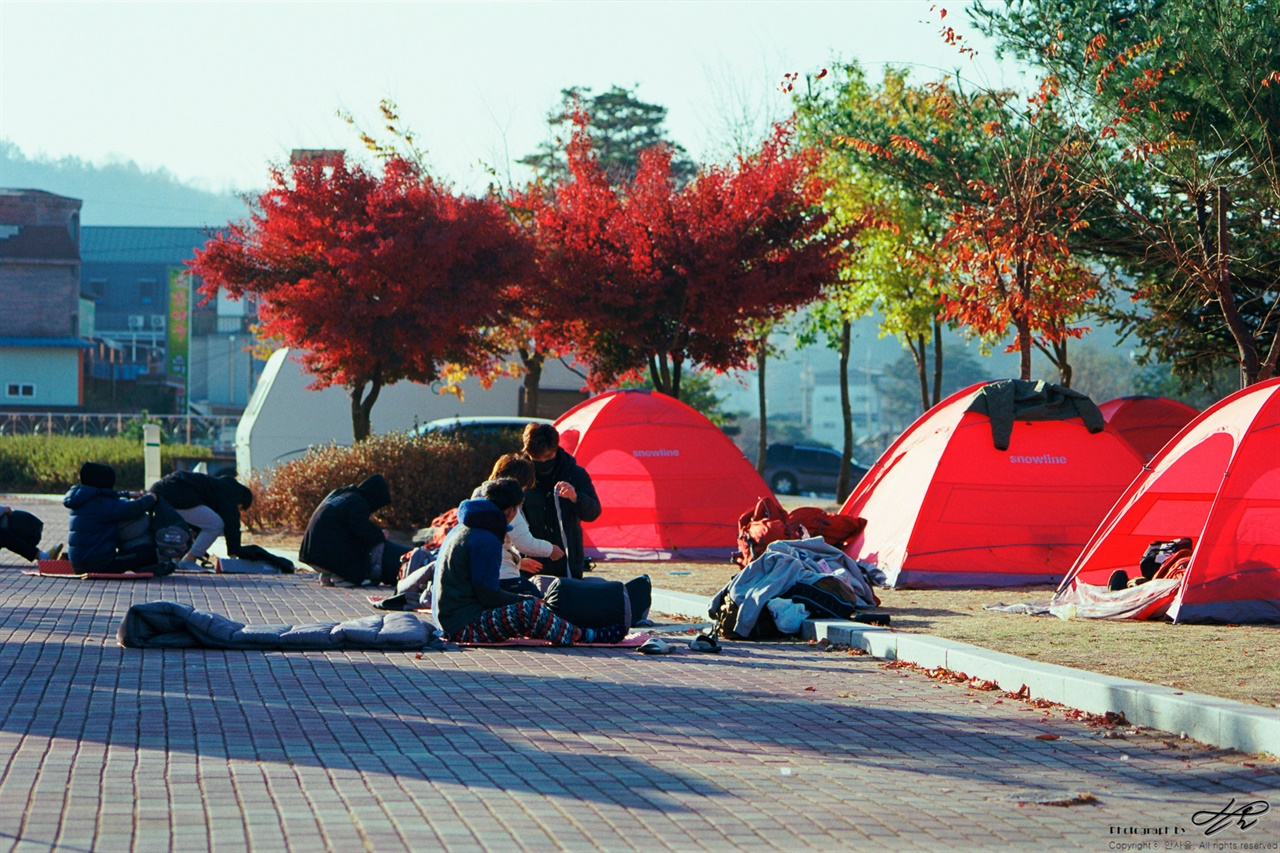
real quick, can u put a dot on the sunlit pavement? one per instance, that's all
(761, 747)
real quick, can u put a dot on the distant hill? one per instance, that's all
(120, 193)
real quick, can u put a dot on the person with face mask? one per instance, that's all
(561, 499)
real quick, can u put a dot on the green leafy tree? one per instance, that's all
(1184, 98)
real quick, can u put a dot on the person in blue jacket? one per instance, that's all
(468, 602)
(110, 530)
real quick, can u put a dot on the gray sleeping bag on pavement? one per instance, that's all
(169, 625)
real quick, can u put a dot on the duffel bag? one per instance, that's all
(589, 602)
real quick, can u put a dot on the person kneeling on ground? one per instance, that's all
(20, 533)
(342, 542)
(212, 505)
(469, 605)
(110, 531)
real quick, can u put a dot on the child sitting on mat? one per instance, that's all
(469, 604)
(110, 531)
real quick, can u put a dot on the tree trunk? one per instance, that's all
(532, 380)
(1022, 321)
(362, 408)
(660, 373)
(937, 362)
(920, 357)
(677, 368)
(843, 486)
(1245, 342)
(762, 356)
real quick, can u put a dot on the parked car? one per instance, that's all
(792, 469)
(479, 425)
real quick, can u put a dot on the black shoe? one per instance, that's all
(394, 602)
(160, 570)
(1119, 580)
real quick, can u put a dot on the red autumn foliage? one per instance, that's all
(654, 276)
(377, 278)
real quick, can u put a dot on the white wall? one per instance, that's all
(55, 373)
(284, 418)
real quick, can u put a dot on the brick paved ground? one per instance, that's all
(107, 749)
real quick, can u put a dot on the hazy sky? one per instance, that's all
(214, 91)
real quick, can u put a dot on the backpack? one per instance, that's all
(1158, 553)
(172, 542)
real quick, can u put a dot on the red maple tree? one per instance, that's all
(378, 278)
(651, 276)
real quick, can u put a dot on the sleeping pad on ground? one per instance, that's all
(167, 624)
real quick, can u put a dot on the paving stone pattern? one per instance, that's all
(763, 747)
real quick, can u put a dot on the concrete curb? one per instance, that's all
(1208, 719)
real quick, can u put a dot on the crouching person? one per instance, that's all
(20, 532)
(469, 604)
(110, 532)
(344, 544)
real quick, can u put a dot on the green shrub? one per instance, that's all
(427, 474)
(51, 464)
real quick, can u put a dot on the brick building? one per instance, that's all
(44, 320)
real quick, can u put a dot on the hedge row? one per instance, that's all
(427, 474)
(51, 464)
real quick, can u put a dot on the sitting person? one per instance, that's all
(468, 603)
(561, 498)
(212, 505)
(342, 542)
(520, 545)
(20, 532)
(110, 531)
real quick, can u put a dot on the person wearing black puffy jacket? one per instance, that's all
(110, 531)
(343, 542)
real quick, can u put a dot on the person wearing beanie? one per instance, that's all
(469, 604)
(110, 531)
(343, 542)
(212, 505)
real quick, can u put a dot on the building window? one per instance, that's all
(147, 290)
(19, 389)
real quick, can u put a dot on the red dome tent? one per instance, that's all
(672, 484)
(1147, 422)
(946, 508)
(1218, 483)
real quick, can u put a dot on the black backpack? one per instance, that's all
(1158, 553)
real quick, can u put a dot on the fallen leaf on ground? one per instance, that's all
(1047, 737)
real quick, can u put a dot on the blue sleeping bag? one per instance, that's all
(169, 625)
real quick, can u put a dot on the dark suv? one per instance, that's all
(791, 469)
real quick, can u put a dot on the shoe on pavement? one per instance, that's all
(55, 553)
(189, 566)
(706, 643)
(654, 646)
